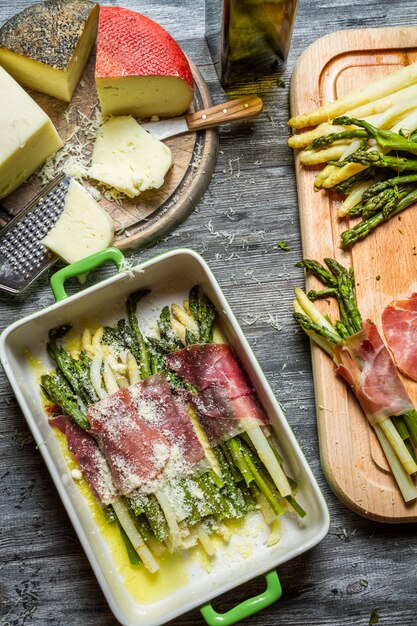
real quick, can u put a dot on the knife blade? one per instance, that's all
(230, 111)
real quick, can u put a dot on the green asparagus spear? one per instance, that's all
(63, 360)
(76, 371)
(263, 472)
(212, 497)
(194, 515)
(385, 138)
(129, 339)
(134, 557)
(323, 293)
(386, 200)
(295, 505)
(306, 323)
(169, 339)
(235, 448)
(236, 473)
(109, 514)
(401, 427)
(131, 304)
(82, 368)
(112, 337)
(410, 419)
(233, 492)
(57, 390)
(338, 282)
(390, 182)
(318, 270)
(261, 483)
(345, 281)
(361, 230)
(397, 163)
(144, 527)
(326, 140)
(204, 313)
(347, 185)
(342, 329)
(155, 517)
(372, 205)
(190, 338)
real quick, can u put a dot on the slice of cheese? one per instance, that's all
(140, 69)
(27, 135)
(82, 229)
(128, 158)
(47, 45)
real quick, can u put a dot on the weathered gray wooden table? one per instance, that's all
(250, 206)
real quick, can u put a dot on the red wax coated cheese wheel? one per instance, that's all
(140, 69)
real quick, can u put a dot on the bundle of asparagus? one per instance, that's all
(239, 474)
(363, 360)
(366, 139)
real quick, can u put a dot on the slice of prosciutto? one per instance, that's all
(399, 322)
(365, 363)
(156, 406)
(225, 403)
(136, 451)
(85, 450)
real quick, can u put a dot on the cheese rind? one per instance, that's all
(140, 69)
(27, 135)
(46, 46)
(82, 229)
(128, 158)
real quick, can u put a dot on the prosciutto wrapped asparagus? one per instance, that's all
(362, 359)
(174, 421)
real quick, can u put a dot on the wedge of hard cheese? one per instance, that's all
(140, 69)
(128, 158)
(47, 45)
(27, 135)
(82, 229)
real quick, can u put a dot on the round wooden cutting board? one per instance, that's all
(143, 220)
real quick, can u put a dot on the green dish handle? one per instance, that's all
(82, 267)
(247, 608)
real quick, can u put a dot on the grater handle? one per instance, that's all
(246, 608)
(82, 267)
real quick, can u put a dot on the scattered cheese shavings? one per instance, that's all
(74, 158)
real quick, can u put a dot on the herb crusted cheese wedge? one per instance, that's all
(46, 46)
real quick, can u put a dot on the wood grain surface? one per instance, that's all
(352, 459)
(250, 205)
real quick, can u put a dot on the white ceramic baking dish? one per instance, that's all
(169, 276)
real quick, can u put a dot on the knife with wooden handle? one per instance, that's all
(231, 111)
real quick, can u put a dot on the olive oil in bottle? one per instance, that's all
(248, 38)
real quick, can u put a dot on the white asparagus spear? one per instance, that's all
(269, 459)
(315, 157)
(135, 537)
(383, 87)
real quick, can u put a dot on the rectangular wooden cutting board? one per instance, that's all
(385, 265)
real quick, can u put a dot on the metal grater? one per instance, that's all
(22, 257)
